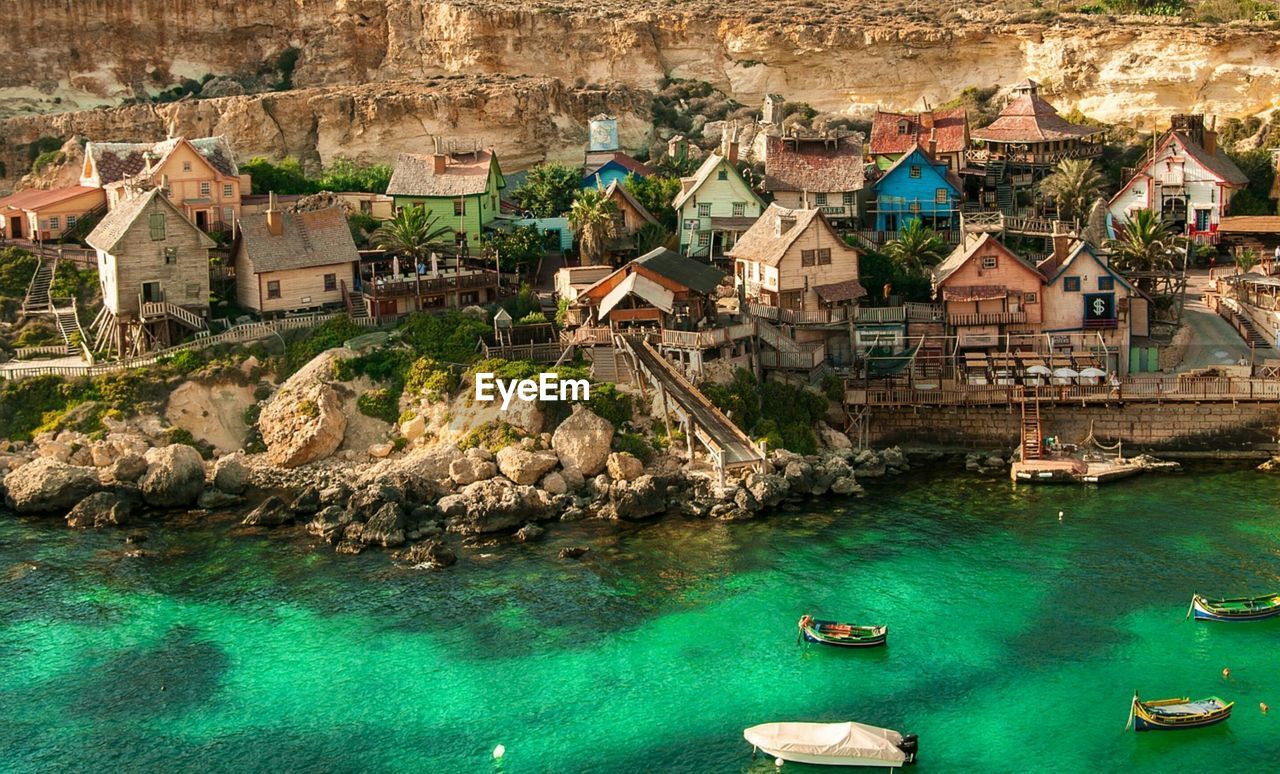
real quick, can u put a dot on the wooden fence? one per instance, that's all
(1138, 389)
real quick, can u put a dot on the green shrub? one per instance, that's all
(451, 337)
(262, 391)
(185, 361)
(327, 335)
(251, 414)
(308, 408)
(381, 404)
(635, 445)
(493, 436)
(608, 403)
(431, 377)
(17, 266)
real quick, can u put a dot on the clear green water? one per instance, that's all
(1015, 639)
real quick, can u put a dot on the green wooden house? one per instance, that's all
(715, 206)
(459, 188)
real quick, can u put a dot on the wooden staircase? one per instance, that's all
(37, 299)
(1032, 433)
(69, 327)
(608, 365)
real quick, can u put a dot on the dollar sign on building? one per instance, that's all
(1099, 307)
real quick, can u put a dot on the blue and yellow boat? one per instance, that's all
(1235, 608)
(1177, 714)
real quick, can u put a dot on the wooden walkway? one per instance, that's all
(1135, 390)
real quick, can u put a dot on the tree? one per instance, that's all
(656, 193)
(346, 175)
(286, 178)
(412, 233)
(1246, 260)
(1144, 244)
(519, 249)
(548, 190)
(593, 217)
(1074, 184)
(651, 236)
(917, 248)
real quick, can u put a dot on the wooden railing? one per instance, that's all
(1138, 389)
(587, 334)
(881, 314)
(24, 353)
(798, 316)
(951, 236)
(431, 286)
(706, 339)
(153, 309)
(918, 312)
(795, 361)
(985, 318)
(545, 352)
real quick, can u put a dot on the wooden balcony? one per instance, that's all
(471, 279)
(965, 319)
(1100, 325)
(837, 314)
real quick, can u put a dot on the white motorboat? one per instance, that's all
(834, 744)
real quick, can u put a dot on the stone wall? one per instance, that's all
(1145, 426)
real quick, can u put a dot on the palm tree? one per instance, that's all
(651, 236)
(1143, 244)
(1073, 185)
(917, 248)
(1246, 260)
(594, 217)
(413, 233)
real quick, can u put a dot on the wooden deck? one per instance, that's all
(1139, 389)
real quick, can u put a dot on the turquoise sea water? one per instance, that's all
(1015, 642)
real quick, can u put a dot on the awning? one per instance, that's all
(641, 286)
(840, 291)
(829, 740)
(975, 293)
(731, 223)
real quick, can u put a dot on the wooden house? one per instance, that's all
(715, 206)
(796, 260)
(200, 175)
(824, 172)
(659, 289)
(917, 187)
(633, 214)
(460, 188)
(987, 290)
(944, 133)
(1082, 294)
(294, 261)
(1186, 178)
(44, 215)
(153, 266)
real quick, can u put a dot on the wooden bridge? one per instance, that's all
(997, 222)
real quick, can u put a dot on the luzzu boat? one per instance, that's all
(1235, 608)
(1178, 714)
(842, 635)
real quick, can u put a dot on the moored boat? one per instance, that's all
(834, 744)
(841, 635)
(1235, 608)
(1177, 714)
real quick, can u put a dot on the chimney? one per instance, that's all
(731, 144)
(275, 222)
(146, 163)
(1211, 137)
(438, 160)
(933, 143)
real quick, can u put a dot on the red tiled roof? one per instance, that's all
(1028, 118)
(951, 131)
(34, 198)
(597, 160)
(116, 161)
(814, 165)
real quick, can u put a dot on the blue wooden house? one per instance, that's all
(917, 187)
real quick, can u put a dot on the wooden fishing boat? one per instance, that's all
(1177, 714)
(834, 744)
(841, 635)
(1235, 608)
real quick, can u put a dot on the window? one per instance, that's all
(55, 222)
(71, 221)
(824, 256)
(990, 261)
(792, 299)
(704, 238)
(204, 189)
(1071, 284)
(186, 166)
(170, 256)
(848, 198)
(808, 257)
(227, 191)
(914, 172)
(723, 174)
(704, 210)
(820, 199)
(330, 282)
(469, 299)
(940, 196)
(904, 127)
(1106, 283)
(228, 214)
(739, 209)
(156, 222)
(273, 289)
(1028, 298)
(460, 208)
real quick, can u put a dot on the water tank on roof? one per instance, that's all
(603, 134)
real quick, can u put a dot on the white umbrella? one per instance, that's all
(1039, 370)
(1092, 372)
(1065, 373)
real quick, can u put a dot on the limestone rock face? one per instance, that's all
(525, 467)
(303, 422)
(385, 527)
(174, 477)
(624, 467)
(582, 442)
(832, 438)
(272, 512)
(130, 467)
(46, 484)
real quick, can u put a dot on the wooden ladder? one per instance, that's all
(1032, 434)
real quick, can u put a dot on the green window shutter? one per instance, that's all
(156, 222)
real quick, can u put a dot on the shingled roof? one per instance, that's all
(777, 229)
(950, 129)
(115, 161)
(465, 174)
(1217, 162)
(691, 273)
(597, 160)
(35, 198)
(814, 165)
(1028, 118)
(307, 239)
(117, 222)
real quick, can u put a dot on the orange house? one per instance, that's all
(200, 176)
(41, 215)
(987, 290)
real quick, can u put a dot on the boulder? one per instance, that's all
(492, 506)
(1270, 466)
(573, 552)
(213, 499)
(174, 477)
(639, 499)
(622, 466)
(303, 422)
(894, 458)
(469, 469)
(328, 523)
(381, 450)
(431, 555)
(230, 474)
(554, 483)
(221, 86)
(573, 478)
(46, 484)
(525, 467)
(418, 464)
(767, 488)
(529, 532)
(306, 503)
(582, 442)
(832, 438)
(130, 468)
(385, 527)
(413, 429)
(846, 485)
(271, 512)
(100, 509)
